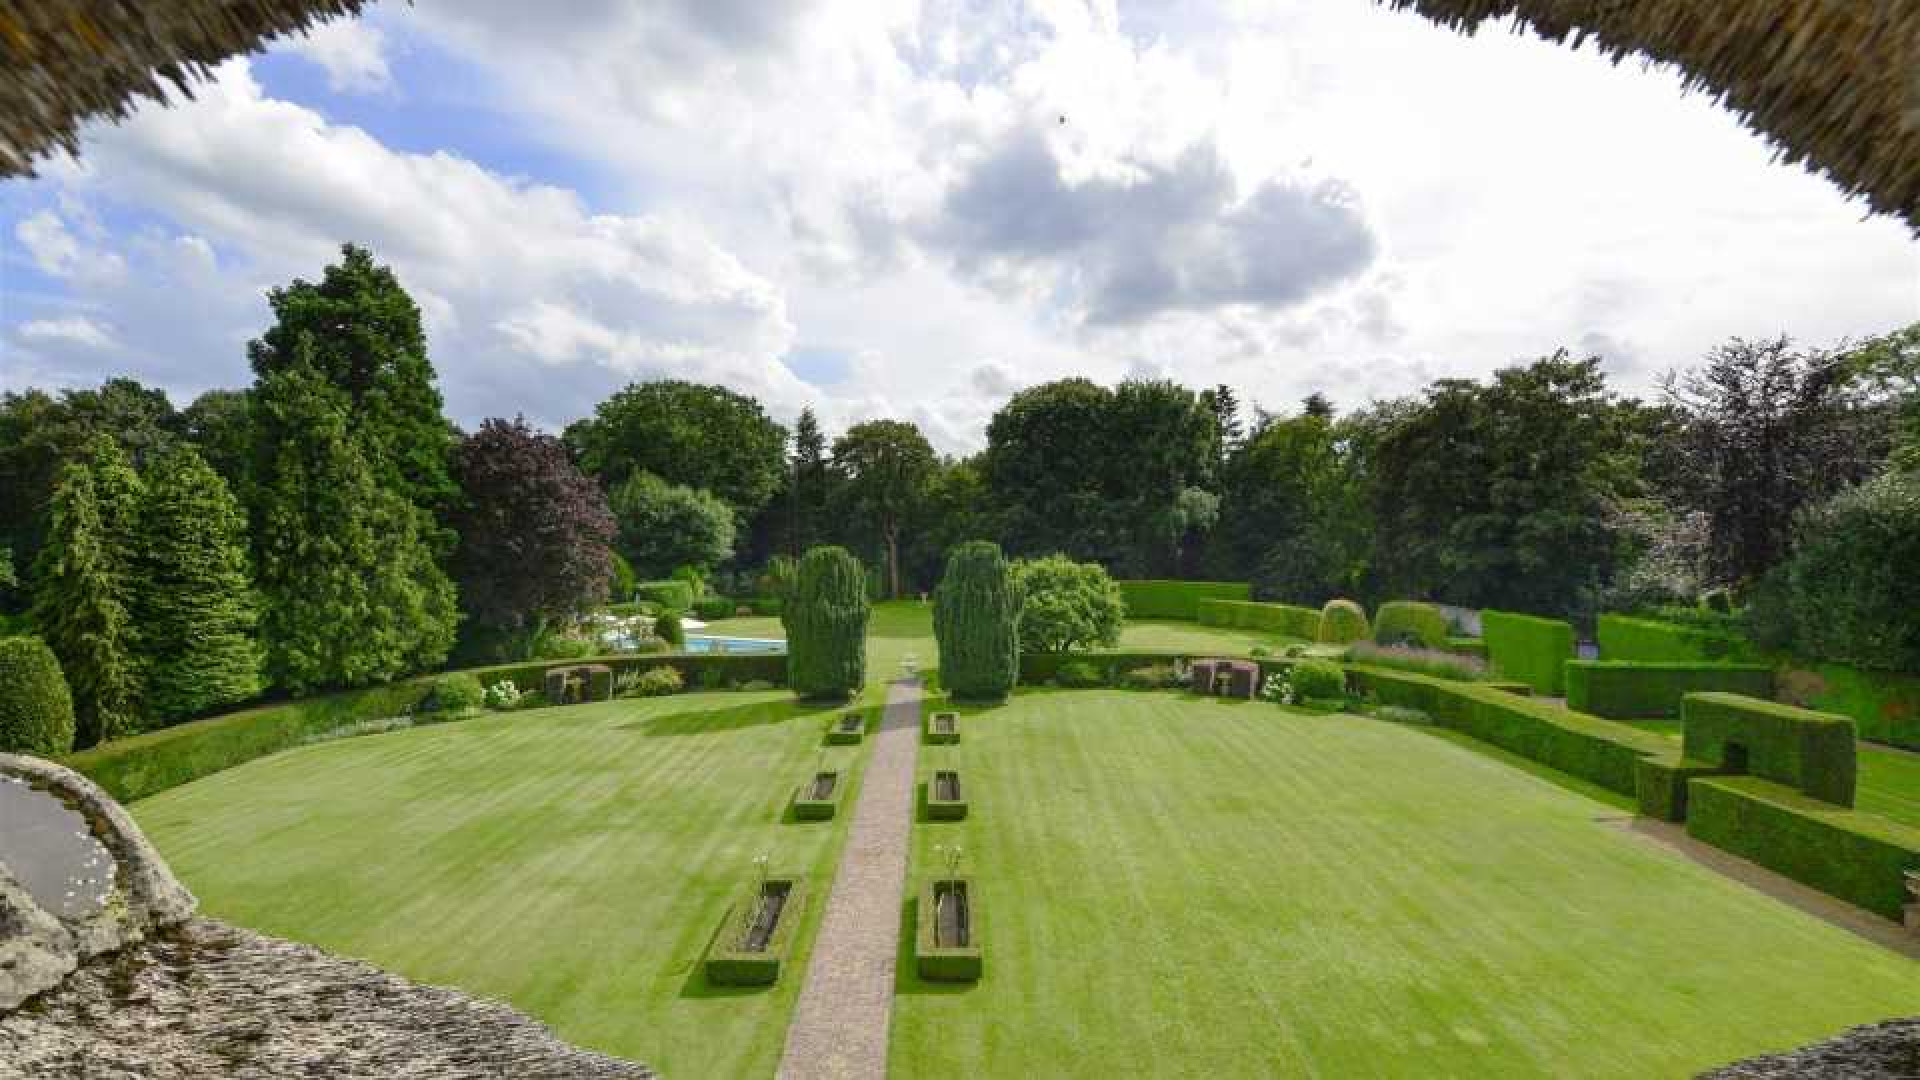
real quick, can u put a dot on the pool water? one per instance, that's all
(702, 643)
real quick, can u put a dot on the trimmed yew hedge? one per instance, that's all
(976, 624)
(1860, 858)
(1627, 637)
(1303, 623)
(946, 963)
(1401, 621)
(674, 595)
(1620, 690)
(1811, 751)
(727, 965)
(1177, 599)
(1531, 649)
(1040, 668)
(1342, 622)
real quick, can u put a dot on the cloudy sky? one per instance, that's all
(913, 209)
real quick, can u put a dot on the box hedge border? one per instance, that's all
(1860, 858)
(937, 737)
(937, 963)
(1625, 689)
(147, 764)
(810, 809)
(1150, 599)
(1529, 649)
(939, 809)
(1299, 622)
(726, 966)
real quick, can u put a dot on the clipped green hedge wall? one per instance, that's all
(1627, 637)
(952, 963)
(1342, 622)
(1661, 785)
(1810, 751)
(1038, 669)
(1468, 646)
(1303, 623)
(675, 595)
(726, 966)
(1530, 649)
(939, 809)
(1177, 599)
(1860, 858)
(807, 808)
(1621, 690)
(1400, 621)
(144, 765)
(1588, 747)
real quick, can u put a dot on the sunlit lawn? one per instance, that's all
(574, 862)
(1169, 886)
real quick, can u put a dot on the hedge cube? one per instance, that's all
(1528, 649)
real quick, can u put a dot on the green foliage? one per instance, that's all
(81, 608)
(1811, 751)
(727, 964)
(667, 627)
(1851, 583)
(826, 625)
(1860, 858)
(937, 962)
(1066, 605)
(360, 332)
(976, 616)
(651, 682)
(671, 595)
(1177, 599)
(1293, 512)
(885, 467)
(459, 692)
(713, 607)
(219, 425)
(1342, 622)
(1318, 680)
(1245, 615)
(351, 591)
(1629, 638)
(624, 581)
(665, 526)
(776, 580)
(1890, 364)
(1532, 650)
(1624, 690)
(1408, 622)
(36, 711)
(192, 596)
(1151, 677)
(1434, 662)
(708, 438)
(1079, 675)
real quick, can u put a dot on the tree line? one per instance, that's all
(328, 526)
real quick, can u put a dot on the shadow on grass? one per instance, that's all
(714, 721)
(906, 969)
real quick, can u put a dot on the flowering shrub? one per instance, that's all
(502, 695)
(653, 682)
(1307, 680)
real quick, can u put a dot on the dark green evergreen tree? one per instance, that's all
(826, 623)
(351, 593)
(36, 710)
(976, 621)
(80, 606)
(191, 594)
(361, 332)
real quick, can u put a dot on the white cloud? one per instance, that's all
(351, 51)
(76, 329)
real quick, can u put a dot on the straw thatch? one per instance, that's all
(1831, 83)
(63, 62)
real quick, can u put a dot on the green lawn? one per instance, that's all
(1192, 637)
(1178, 887)
(574, 862)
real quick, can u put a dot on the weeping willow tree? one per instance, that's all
(976, 621)
(826, 623)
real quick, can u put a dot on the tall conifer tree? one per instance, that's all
(81, 611)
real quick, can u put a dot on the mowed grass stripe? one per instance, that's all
(574, 862)
(1180, 887)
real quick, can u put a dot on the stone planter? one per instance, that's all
(754, 937)
(848, 730)
(943, 727)
(947, 941)
(946, 800)
(578, 684)
(818, 799)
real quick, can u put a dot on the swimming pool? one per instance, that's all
(704, 643)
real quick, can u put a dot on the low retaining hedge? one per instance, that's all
(847, 729)
(143, 765)
(1621, 689)
(947, 963)
(1529, 649)
(943, 809)
(1860, 858)
(1177, 599)
(1814, 753)
(1038, 669)
(1303, 623)
(808, 808)
(1600, 751)
(728, 965)
(1628, 637)
(1661, 785)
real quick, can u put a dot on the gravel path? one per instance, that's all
(840, 1027)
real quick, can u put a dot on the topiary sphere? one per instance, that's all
(36, 709)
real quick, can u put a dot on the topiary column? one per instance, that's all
(36, 710)
(827, 626)
(975, 620)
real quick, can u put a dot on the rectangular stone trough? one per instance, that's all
(818, 798)
(848, 729)
(946, 801)
(947, 941)
(943, 727)
(756, 934)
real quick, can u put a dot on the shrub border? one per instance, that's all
(725, 966)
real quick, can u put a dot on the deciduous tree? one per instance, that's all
(884, 468)
(1066, 604)
(664, 526)
(705, 437)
